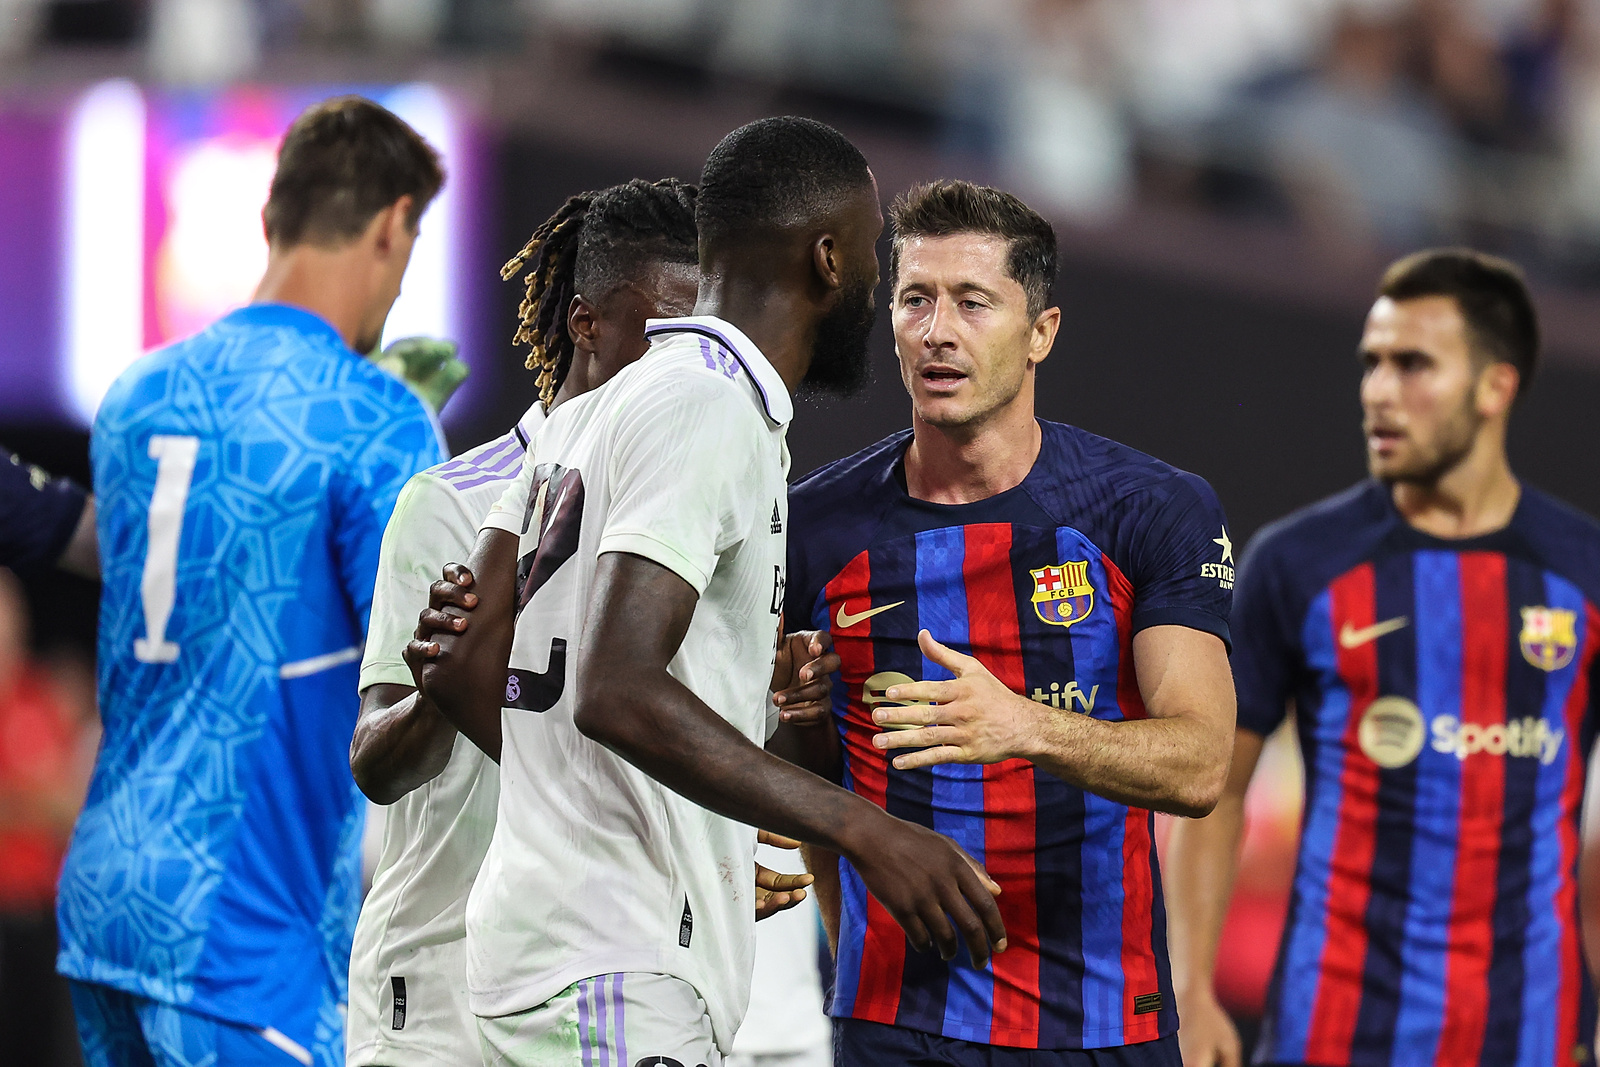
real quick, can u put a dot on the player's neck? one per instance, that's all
(322, 281)
(779, 319)
(961, 466)
(1477, 496)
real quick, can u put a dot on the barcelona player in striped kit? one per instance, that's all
(1087, 580)
(1435, 628)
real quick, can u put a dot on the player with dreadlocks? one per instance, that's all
(595, 271)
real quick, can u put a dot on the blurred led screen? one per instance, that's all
(132, 217)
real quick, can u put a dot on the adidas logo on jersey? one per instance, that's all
(777, 519)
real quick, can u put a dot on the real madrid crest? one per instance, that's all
(1549, 637)
(1062, 595)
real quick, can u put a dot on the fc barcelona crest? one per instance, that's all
(1549, 637)
(1062, 595)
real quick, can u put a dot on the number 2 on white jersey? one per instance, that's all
(158, 589)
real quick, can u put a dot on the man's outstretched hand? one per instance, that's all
(927, 882)
(776, 891)
(801, 685)
(973, 718)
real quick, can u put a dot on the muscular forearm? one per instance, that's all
(657, 724)
(814, 747)
(467, 679)
(401, 742)
(1175, 764)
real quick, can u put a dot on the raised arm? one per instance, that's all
(1176, 760)
(628, 701)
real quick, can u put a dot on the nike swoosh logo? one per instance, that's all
(1350, 637)
(844, 620)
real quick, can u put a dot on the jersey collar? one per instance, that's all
(775, 400)
(297, 318)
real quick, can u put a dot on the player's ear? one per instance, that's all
(1042, 337)
(583, 324)
(1496, 389)
(827, 259)
(392, 225)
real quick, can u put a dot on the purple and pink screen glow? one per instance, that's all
(130, 218)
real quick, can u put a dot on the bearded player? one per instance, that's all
(596, 271)
(1033, 631)
(611, 921)
(1435, 628)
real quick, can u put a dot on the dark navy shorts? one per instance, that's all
(858, 1043)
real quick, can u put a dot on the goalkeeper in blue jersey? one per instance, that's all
(243, 478)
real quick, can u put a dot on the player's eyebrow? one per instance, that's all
(958, 288)
(1363, 355)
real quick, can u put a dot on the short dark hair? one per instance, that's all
(946, 207)
(343, 161)
(594, 243)
(1491, 294)
(776, 172)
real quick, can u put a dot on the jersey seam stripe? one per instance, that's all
(283, 1043)
(304, 668)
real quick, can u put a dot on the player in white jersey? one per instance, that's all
(611, 922)
(597, 270)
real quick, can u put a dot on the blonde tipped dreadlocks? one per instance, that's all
(542, 318)
(597, 241)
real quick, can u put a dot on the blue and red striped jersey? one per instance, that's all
(1046, 585)
(1443, 692)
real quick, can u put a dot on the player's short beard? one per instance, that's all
(839, 363)
(1452, 443)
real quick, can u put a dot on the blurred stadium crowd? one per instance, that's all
(1373, 124)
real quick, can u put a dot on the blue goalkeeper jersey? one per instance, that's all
(244, 477)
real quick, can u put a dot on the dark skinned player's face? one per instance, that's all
(966, 343)
(839, 360)
(615, 336)
(1422, 397)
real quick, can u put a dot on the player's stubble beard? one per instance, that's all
(839, 363)
(1451, 444)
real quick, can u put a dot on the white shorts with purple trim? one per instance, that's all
(613, 1020)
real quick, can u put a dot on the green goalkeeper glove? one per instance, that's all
(428, 365)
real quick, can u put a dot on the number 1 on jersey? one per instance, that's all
(158, 589)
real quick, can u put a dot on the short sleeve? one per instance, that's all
(38, 513)
(365, 494)
(427, 530)
(1182, 560)
(684, 475)
(1264, 653)
(510, 512)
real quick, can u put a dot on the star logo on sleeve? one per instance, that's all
(1227, 545)
(1222, 571)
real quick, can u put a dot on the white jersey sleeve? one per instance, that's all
(682, 477)
(427, 516)
(510, 512)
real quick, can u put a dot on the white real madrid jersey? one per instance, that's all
(408, 973)
(595, 867)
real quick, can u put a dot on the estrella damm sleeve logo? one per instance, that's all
(1062, 595)
(1549, 637)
